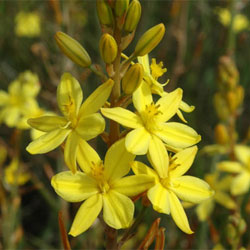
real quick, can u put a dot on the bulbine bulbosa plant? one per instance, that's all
(132, 114)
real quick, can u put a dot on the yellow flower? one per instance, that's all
(101, 186)
(173, 185)
(20, 97)
(241, 182)
(240, 22)
(151, 74)
(28, 24)
(79, 121)
(13, 174)
(220, 187)
(149, 124)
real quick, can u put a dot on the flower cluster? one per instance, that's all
(106, 186)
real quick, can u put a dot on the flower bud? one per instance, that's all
(221, 106)
(104, 13)
(149, 40)
(232, 101)
(221, 134)
(240, 92)
(132, 78)
(72, 49)
(133, 16)
(108, 48)
(121, 7)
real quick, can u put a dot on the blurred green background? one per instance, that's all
(195, 39)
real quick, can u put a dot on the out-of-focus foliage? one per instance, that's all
(198, 34)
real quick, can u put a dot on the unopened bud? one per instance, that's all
(72, 49)
(104, 13)
(239, 92)
(149, 40)
(108, 48)
(121, 7)
(132, 79)
(221, 134)
(133, 16)
(221, 106)
(231, 100)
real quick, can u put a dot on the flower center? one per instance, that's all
(157, 70)
(149, 116)
(97, 172)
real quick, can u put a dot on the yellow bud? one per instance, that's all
(149, 40)
(221, 106)
(121, 7)
(239, 92)
(231, 100)
(133, 16)
(221, 134)
(104, 13)
(72, 49)
(108, 48)
(132, 78)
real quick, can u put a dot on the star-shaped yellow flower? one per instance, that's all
(102, 186)
(149, 124)
(21, 95)
(167, 189)
(80, 121)
(241, 182)
(151, 74)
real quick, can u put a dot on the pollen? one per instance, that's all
(157, 70)
(97, 170)
(149, 116)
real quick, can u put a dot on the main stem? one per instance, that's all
(116, 92)
(114, 127)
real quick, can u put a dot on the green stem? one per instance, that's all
(231, 33)
(98, 73)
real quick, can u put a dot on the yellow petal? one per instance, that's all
(225, 200)
(191, 189)
(118, 210)
(97, 99)
(158, 156)
(137, 141)
(186, 108)
(169, 105)
(4, 97)
(86, 156)
(117, 161)
(159, 197)
(141, 168)
(70, 151)
(230, 166)
(243, 154)
(178, 214)
(142, 97)
(48, 141)
(69, 95)
(133, 185)
(178, 135)
(144, 61)
(48, 123)
(180, 115)
(183, 160)
(11, 116)
(123, 116)
(204, 209)
(90, 126)
(86, 215)
(74, 187)
(241, 184)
